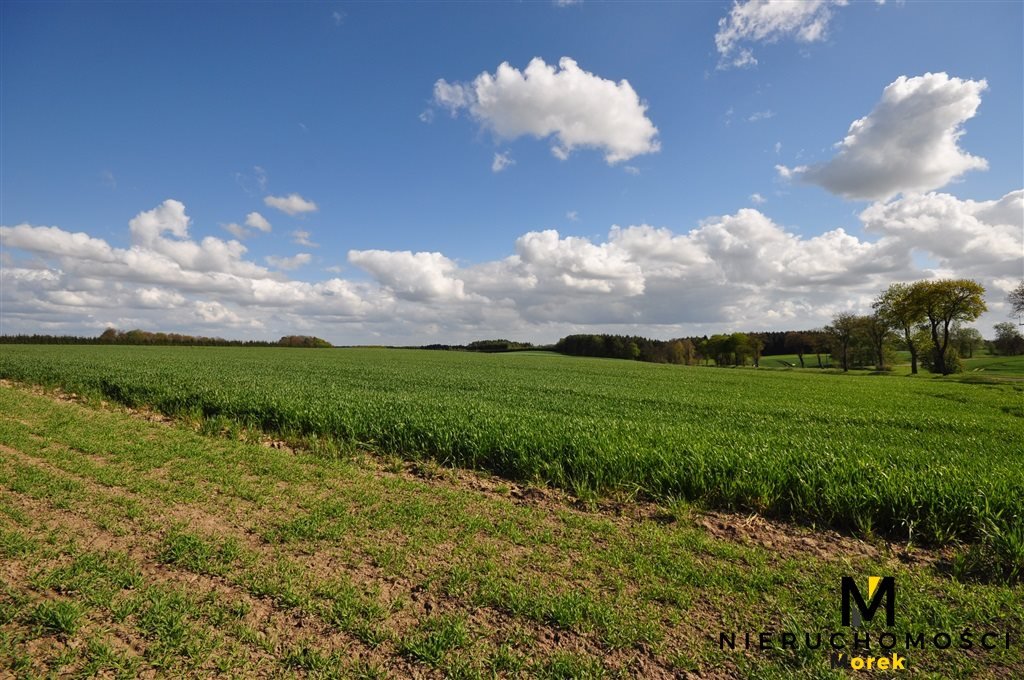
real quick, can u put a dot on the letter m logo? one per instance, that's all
(879, 588)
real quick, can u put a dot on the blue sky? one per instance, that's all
(111, 109)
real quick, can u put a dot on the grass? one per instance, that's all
(999, 365)
(793, 361)
(856, 452)
(982, 362)
(193, 553)
(57, 616)
(178, 554)
(434, 637)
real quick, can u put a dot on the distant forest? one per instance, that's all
(112, 336)
(487, 346)
(928, 319)
(733, 349)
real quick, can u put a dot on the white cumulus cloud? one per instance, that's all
(412, 276)
(215, 313)
(293, 262)
(237, 230)
(254, 220)
(975, 238)
(908, 143)
(258, 221)
(735, 271)
(769, 21)
(302, 237)
(575, 107)
(292, 204)
(146, 227)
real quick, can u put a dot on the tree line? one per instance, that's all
(500, 345)
(728, 349)
(926, 318)
(678, 351)
(112, 336)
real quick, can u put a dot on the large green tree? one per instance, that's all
(841, 331)
(947, 302)
(902, 307)
(877, 333)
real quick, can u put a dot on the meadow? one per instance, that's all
(981, 364)
(922, 460)
(134, 546)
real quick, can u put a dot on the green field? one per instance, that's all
(981, 363)
(1008, 366)
(922, 460)
(131, 548)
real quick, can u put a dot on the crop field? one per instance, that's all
(131, 546)
(921, 460)
(925, 460)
